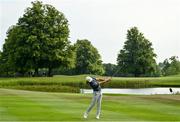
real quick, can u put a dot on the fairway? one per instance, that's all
(19, 105)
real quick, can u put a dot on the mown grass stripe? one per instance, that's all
(23, 108)
(142, 108)
(54, 101)
(43, 106)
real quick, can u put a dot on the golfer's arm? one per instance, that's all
(101, 81)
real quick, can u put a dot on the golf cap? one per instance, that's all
(89, 79)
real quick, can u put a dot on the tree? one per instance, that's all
(137, 56)
(40, 39)
(15, 52)
(88, 60)
(1, 64)
(110, 69)
(171, 66)
(6, 68)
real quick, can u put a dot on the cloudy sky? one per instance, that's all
(105, 22)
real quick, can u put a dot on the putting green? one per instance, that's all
(19, 105)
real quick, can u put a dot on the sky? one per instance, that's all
(105, 23)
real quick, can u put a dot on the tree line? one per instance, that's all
(39, 45)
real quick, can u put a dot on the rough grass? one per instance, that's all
(19, 105)
(51, 84)
(74, 83)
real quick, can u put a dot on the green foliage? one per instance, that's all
(158, 71)
(88, 60)
(15, 51)
(110, 69)
(171, 66)
(39, 40)
(137, 56)
(1, 64)
(6, 68)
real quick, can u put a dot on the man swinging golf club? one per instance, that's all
(97, 95)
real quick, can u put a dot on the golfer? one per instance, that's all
(97, 95)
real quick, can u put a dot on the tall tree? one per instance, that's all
(40, 39)
(137, 56)
(15, 51)
(88, 60)
(1, 63)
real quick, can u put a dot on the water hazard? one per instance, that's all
(141, 91)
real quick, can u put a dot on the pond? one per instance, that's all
(140, 91)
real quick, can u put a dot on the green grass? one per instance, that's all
(51, 84)
(19, 105)
(73, 84)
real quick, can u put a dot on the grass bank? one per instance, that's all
(74, 83)
(19, 105)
